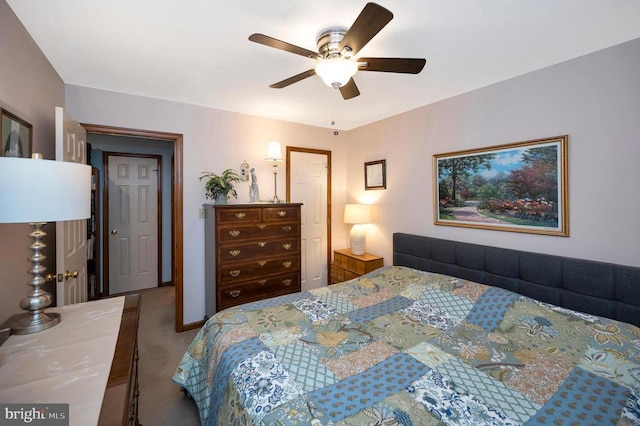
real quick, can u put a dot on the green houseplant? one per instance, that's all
(218, 187)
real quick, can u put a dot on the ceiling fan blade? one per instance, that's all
(401, 65)
(371, 20)
(283, 45)
(349, 90)
(296, 78)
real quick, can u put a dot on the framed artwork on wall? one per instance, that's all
(16, 135)
(517, 187)
(375, 174)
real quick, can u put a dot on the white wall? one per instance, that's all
(213, 140)
(595, 99)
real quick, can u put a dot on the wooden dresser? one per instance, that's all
(120, 404)
(347, 266)
(252, 252)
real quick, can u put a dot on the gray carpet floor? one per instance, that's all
(161, 348)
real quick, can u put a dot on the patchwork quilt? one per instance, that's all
(400, 346)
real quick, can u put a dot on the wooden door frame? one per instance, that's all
(105, 219)
(176, 207)
(326, 153)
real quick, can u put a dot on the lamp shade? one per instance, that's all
(43, 190)
(357, 213)
(336, 72)
(273, 151)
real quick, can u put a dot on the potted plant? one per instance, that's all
(218, 187)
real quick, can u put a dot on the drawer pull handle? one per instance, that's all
(262, 282)
(286, 228)
(234, 233)
(262, 262)
(234, 273)
(287, 264)
(286, 246)
(282, 213)
(234, 293)
(241, 215)
(287, 282)
(262, 226)
(262, 243)
(234, 253)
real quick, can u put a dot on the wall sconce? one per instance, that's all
(274, 154)
(41, 191)
(357, 214)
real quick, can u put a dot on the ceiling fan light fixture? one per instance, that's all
(337, 71)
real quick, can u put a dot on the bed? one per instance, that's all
(452, 333)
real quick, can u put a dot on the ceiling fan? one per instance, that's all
(337, 48)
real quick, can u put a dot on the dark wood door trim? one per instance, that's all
(291, 149)
(177, 209)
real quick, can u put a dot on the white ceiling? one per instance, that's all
(197, 52)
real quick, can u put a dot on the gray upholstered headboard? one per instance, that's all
(598, 288)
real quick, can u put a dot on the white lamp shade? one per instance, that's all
(43, 190)
(336, 72)
(357, 213)
(273, 152)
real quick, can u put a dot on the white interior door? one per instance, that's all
(308, 185)
(132, 223)
(71, 235)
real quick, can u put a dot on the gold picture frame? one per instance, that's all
(516, 187)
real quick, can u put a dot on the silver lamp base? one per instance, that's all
(38, 300)
(28, 323)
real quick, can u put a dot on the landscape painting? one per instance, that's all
(517, 187)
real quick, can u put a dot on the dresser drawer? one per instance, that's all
(227, 234)
(239, 215)
(257, 268)
(280, 213)
(258, 249)
(257, 289)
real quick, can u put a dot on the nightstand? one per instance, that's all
(346, 266)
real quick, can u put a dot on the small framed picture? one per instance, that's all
(16, 135)
(375, 174)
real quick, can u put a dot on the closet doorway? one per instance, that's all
(309, 183)
(174, 227)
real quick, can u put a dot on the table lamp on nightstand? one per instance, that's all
(36, 192)
(358, 215)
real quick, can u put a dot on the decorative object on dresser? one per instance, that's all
(254, 191)
(347, 266)
(41, 191)
(219, 187)
(274, 154)
(252, 252)
(358, 215)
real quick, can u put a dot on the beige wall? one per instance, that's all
(595, 99)
(213, 140)
(31, 89)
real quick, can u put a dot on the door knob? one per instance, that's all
(114, 231)
(68, 275)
